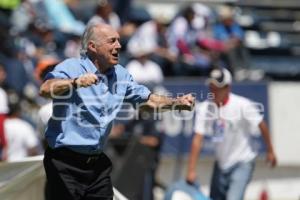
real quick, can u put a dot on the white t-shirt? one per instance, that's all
(20, 137)
(45, 112)
(3, 102)
(144, 39)
(180, 29)
(231, 127)
(149, 72)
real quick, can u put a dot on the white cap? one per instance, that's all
(161, 12)
(220, 77)
(202, 9)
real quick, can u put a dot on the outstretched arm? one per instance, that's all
(193, 157)
(164, 103)
(56, 87)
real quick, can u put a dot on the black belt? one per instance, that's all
(65, 152)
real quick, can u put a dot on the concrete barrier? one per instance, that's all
(26, 180)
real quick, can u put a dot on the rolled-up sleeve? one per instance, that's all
(60, 72)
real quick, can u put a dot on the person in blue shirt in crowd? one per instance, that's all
(230, 33)
(87, 93)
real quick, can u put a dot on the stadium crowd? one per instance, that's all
(39, 34)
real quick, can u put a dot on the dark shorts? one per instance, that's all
(74, 176)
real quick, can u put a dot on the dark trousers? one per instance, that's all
(74, 176)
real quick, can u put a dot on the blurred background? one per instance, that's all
(170, 46)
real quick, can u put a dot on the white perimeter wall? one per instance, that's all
(284, 102)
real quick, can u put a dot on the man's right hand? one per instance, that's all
(86, 80)
(191, 177)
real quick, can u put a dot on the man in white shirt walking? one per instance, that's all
(230, 120)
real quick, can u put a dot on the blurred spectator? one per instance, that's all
(151, 137)
(142, 69)
(123, 8)
(8, 47)
(61, 17)
(138, 16)
(203, 16)
(3, 111)
(227, 29)
(80, 9)
(208, 45)
(183, 39)
(41, 37)
(232, 35)
(45, 113)
(153, 33)
(27, 13)
(182, 34)
(72, 47)
(45, 65)
(104, 14)
(22, 139)
(3, 96)
(16, 76)
(22, 16)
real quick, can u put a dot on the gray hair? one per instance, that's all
(87, 36)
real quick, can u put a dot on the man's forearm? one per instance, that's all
(266, 136)
(193, 157)
(160, 102)
(194, 154)
(164, 103)
(271, 157)
(56, 87)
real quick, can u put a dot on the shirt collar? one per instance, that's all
(225, 102)
(90, 67)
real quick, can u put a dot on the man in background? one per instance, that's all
(22, 140)
(230, 120)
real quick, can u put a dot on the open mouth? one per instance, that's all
(115, 55)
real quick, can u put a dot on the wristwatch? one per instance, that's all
(74, 84)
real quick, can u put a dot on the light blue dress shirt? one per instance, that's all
(221, 33)
(82, 118)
